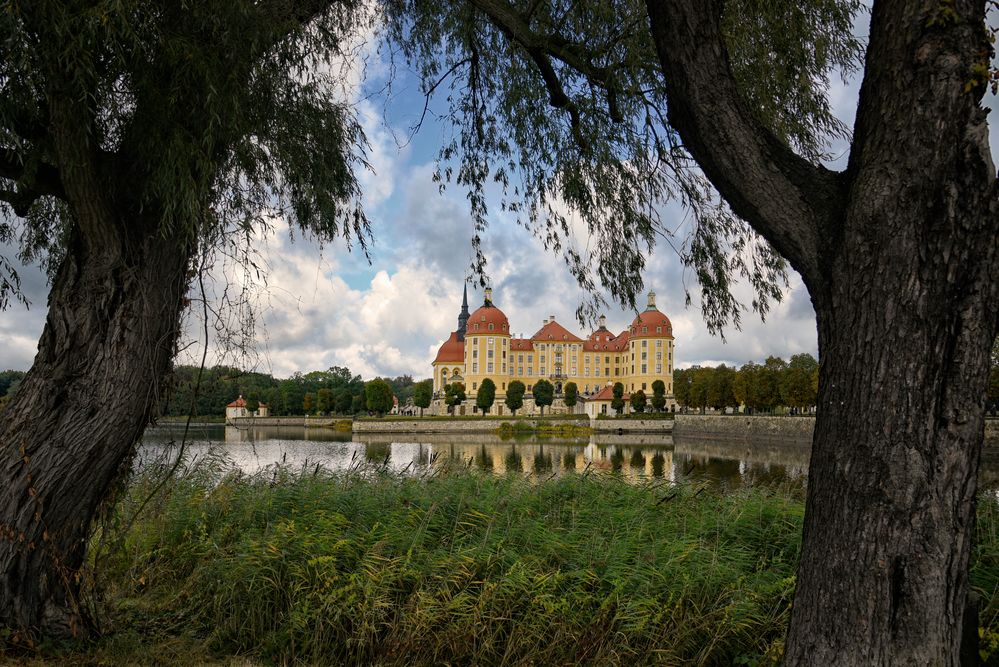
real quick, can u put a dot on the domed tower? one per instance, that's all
(650, 351)
(487, 347)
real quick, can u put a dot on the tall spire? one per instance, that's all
(463, 316)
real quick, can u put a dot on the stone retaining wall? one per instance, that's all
(661, 426)
(745, 426)
(764, 427)
(453, 426)
(306, 422)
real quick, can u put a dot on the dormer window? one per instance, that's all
(476, 326)
(490, 326)
(645, 330)
(659, 329)
(483, 318)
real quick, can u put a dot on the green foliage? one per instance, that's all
(638, 401)
(324, 400)
(423, 393)
(570, 394)
(486, 395)
(605, 155)
(757, 386)
(10, 380)
(454, 395)
(617, 403)
(221, 385)
(515, 391)
(212, 116)
(378, 396)
(320, 568)
(658, 395)
(544, 394)
(309, 403)
(253, 403)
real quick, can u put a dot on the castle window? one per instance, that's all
(520, 369)
(529, 372)
(490, 341)
(645, 343)
(490, 326)
(475, 367)
(542, 371)
(489, 368)
(643, 386)
(476, 326)
(659, 369)
(489, 354)
(504, 327)
(483, 318)
(644, 370)
(475, 385)
(645, 330)
(520, 358)
(659, 329)
(659, 343)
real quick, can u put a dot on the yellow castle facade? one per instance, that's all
(483, 346)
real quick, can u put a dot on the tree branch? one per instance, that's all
(790, 201)
(543, 47)
(30, 184)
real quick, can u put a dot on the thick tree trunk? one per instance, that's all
(891, 500)
(901, 259)
(68, 435)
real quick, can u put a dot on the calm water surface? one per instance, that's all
(636, 457)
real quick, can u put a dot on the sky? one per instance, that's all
(321, 307)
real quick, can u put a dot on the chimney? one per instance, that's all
(552, 318)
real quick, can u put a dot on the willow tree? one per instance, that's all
(134, 135)
(600, 112)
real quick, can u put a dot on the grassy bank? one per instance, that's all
(460, 568)
(523, 429)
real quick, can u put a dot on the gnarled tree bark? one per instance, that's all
(68, 434)
(900, 257)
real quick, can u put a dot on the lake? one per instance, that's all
(726, 463)
(633, 457)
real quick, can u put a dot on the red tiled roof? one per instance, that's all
(453, 350)
(603, 340)
(521, 344)
(479, 321)
(555, 331)
(652, 320)
(607, 394)
(241, 403)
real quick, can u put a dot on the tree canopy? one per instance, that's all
(573, 131)
(486, 395)
(378, 396)
(544, 394)
(515, 395)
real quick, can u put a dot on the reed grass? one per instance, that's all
(455, 567)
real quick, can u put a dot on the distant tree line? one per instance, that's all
(333, 391)
(762, 387)
(9, 382)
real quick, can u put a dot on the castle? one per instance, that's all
(483, 346)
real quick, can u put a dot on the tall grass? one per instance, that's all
(365, 567)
